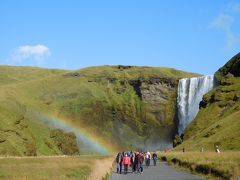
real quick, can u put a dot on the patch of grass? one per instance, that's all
(46, 168)
(133, 72)
(16, 74)
(225, 165)
(81, 173)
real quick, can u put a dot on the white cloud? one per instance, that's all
(234, 7)
(225, 22)
(35, 52)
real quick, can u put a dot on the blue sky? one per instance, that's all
(196, 36)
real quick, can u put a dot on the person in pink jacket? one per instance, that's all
(126, 162)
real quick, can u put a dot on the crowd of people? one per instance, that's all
(134, 160)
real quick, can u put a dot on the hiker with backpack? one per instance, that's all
(154, 157)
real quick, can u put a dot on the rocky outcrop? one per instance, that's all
(136, 84)
(122, 67)
(160, 96)
(154, 90)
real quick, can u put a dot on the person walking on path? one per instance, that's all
(126, 162)
(148, 156)
(136, 162)
(121, 161)
(145, 158)
(154, 157)
(132, 162)
(118, 162)
(140, 162)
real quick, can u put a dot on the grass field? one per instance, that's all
(225, 165)
(59, 167)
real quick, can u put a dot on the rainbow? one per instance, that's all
(90, 143)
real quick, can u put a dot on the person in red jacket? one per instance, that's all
(126, 162)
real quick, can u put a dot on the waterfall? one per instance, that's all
(190, 93)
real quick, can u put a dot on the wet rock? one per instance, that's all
(203, 104)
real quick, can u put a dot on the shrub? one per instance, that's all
(66, 142)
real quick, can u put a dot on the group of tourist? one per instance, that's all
(134, 160)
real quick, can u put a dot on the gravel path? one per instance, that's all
(160, 172)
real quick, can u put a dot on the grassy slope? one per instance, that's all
(17, 74)
(83, 97)
(18, 134)
(135, 72)
(218, 123)
(216, 166)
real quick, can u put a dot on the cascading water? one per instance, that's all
(190, 93)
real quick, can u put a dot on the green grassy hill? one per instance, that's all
(218, 121)
(18, 74)
(124, 106)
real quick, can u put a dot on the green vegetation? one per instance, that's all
(66, 142)
(217, 122)
(49, 167)
(15, 74)
(232, 67)
(109, 101)
(225, 165)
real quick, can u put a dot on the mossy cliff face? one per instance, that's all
(217, 122)
(152, 116)
(160, 96)
(125, 106)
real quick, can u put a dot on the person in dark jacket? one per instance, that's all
(136, 162)
(132, 162)
(118, 162)
(140, 162)
(154, 157)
